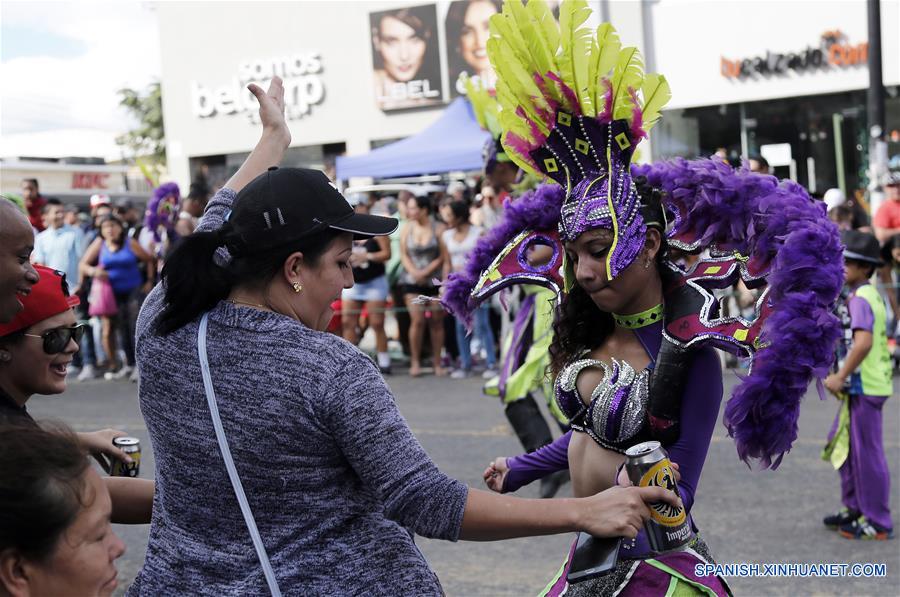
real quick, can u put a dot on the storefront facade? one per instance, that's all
(786, 80)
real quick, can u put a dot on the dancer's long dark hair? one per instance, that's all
(580, 325)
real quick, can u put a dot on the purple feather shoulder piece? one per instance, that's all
(785, 236)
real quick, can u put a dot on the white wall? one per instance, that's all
(205, 42)
(691, 36)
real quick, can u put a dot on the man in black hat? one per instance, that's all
(862, 383)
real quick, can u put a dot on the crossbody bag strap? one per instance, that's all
(229, 461)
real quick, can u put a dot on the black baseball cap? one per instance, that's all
(860, 246)
(284, 205)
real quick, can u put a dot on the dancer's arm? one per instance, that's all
(699, 413)
(516, 472)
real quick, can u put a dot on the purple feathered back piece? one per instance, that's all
(777, 223)
(162, 209)
(537, 209)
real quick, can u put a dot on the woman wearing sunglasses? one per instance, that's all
(36, 348)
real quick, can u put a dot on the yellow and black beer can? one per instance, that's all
(668, 527)
(132, 447)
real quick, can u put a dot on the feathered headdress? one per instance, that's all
(574, 104)
(162, 209)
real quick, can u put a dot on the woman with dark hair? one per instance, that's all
(117, 258)
(422, 257)
(405, 58)
(55, 531)
(458, 242)
(329, 482)
(468, 29)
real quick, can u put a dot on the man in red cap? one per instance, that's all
(17, 276)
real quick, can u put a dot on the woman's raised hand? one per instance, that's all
(271, 108)
(621, 511)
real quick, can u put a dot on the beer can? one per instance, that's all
(668, 527)
(132, 447)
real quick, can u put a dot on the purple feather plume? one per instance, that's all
(778, 224)
(161, 214)
(637, 118)
(605, 116)
(537, 209)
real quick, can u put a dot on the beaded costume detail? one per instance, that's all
(617, 411)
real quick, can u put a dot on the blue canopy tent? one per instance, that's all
(453, 143)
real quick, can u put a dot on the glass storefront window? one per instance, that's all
(826, 135)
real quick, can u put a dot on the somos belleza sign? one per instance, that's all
(833, 51)
(303, 87)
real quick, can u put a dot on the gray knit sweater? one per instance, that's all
(332, 472)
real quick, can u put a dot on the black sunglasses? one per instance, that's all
(56, 340)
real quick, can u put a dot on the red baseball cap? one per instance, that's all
(49, 297)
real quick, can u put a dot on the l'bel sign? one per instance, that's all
(303, 87)
(833, 51)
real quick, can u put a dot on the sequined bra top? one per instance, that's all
(616, 416)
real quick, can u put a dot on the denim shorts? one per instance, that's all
(373, 290)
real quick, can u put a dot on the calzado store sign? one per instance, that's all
(303, 87)
(833, 51)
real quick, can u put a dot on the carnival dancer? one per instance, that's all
(632, 351)
(524, 355)
(862, 382)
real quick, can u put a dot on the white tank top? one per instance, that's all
(459, 251)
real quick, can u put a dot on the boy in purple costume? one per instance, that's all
(863, 383)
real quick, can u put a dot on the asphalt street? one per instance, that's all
(745, 515)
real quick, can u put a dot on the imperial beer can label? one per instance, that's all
(648, 465)
(661, 475)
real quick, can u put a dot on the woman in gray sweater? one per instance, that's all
(334, 478)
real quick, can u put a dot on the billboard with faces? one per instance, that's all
(406, 57)
(466, 31)
(407, 46)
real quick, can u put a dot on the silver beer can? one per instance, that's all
(668, 527)
(132, 447)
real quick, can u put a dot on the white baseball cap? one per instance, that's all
(98, 200)
(833, 198)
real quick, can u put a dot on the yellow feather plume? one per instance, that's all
(629, 73)
(604, 55)
(656, 94)
(574, 46)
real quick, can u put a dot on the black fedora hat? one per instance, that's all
(860, 246)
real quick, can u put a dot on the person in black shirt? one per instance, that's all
(370, 289)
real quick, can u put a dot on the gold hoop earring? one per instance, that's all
(297, 287)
